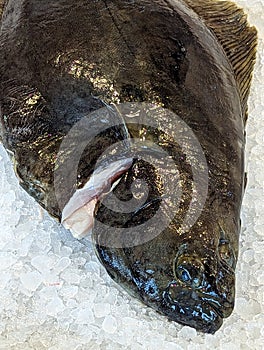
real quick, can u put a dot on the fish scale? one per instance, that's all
(79, 78)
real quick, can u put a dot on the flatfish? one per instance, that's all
(127, 119)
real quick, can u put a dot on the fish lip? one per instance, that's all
(212, 302)
(216, 302)
(183, 313)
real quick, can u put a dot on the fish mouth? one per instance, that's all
(194, 308)
(78, 214)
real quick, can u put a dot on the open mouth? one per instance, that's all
(78, 214)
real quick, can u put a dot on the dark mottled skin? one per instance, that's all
(154, 51)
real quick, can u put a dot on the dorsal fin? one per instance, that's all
(238, 38)
(1, 8)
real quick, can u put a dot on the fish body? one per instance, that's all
(148, 71)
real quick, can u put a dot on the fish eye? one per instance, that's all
(189, 270)
(226, 252)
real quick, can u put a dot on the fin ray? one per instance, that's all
(2, 4)
(239, 40)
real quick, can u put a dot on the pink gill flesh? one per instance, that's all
(78, 214)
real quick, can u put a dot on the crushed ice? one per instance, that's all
(55, 295)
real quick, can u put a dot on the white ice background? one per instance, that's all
(54, 294)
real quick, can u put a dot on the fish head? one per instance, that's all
(190, 287)
(189, 277)
(202, 291)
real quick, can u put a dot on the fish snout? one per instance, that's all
(189, 270)
(186, 305)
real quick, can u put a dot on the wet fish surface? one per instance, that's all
(164, 72)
